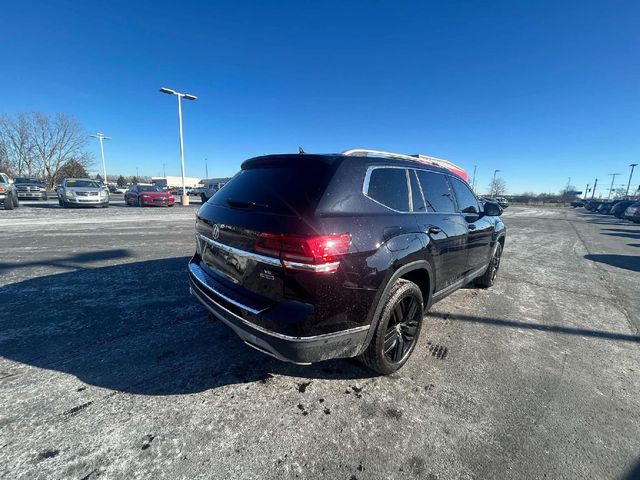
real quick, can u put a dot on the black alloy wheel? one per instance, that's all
(400, 335)
(397, 330)
(489, 277)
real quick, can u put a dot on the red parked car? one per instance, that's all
(145, 195)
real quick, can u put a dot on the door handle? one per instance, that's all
(471, 226)
(433, 230)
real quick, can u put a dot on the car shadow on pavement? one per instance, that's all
(135, 328)
(584, 332)
(634, 236)
(627, 262)
(72, 261)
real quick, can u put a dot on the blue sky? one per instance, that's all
(542, 90)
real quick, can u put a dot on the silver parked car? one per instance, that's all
(8, 195)
(75, 192)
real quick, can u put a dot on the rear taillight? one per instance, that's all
(319, 253)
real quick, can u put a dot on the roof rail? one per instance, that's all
(364, 152)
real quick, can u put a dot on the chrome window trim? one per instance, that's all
(367, 179)
(243, 253)
(271, 332)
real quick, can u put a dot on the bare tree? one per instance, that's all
(497, 187)
(18, 143)
(57, 140)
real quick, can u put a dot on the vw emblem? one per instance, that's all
(215, 231)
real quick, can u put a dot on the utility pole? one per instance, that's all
(493, 184)
(164, 171)
(206, 169)
(633, 165)
(586, 191)
(184, 199)
(101, 137)
(594, 188)
(613, 177)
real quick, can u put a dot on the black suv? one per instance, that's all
(311, 257)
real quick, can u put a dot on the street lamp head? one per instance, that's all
(633, 164)
(189, 96)
(168, 91)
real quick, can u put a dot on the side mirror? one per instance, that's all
(492, 209)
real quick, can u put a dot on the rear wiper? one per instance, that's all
(244, 204)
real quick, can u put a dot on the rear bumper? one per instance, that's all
(299, 349)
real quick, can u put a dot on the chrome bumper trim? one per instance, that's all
(197, 287)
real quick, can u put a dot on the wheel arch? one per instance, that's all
(419, 272)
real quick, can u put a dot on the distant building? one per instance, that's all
(190, 182)
(205, 182)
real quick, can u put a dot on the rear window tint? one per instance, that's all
(285, 189)
(388, 186)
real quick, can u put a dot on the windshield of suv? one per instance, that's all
(83, 184)
(149, 188)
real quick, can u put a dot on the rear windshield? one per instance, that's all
(147, 188)
(287, 189)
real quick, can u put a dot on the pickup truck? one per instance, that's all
(209, 190)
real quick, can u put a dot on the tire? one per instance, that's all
(16, 202)
(140, 202)
(403, 306)
(46, 197)
(60, 201)
(203, 198)
(8, 202)
(489, 277)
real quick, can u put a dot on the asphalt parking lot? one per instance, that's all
(109, 369)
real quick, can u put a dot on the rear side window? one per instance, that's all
(285, 188)
(467, 202)
(388, 186)
(436, 192)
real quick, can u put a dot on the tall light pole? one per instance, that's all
(184, 199)
(206, 168)
(493, 185)
(594, 189)
(613, 177)
(633, 165)
(586, 191)
(101, 137)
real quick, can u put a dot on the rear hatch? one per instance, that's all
(244, 227)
